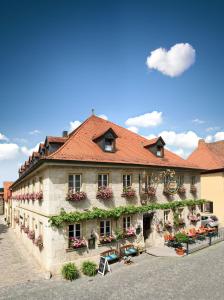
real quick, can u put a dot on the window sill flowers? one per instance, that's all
(31, 235)
(107, 239)
(104, 193)
(39, 195)
(76, 196)
(151, 191)
(26, 230)
(39, 242)
(130, 232)
(181, 190)
(77, 243)
(128, 192)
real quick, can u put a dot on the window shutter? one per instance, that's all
(211, 207)
(70, 183)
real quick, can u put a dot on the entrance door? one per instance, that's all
(147, 221)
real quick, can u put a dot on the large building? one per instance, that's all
(5, 194)
(210, 156)
(80, 191)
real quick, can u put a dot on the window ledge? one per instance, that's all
(76, 249)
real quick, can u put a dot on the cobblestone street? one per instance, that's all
(197, 276)
(16, 266)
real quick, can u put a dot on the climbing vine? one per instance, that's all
(115, 213)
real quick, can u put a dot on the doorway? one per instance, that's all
(147, 222)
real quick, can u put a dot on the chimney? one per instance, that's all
(65, 133)
(201, 142)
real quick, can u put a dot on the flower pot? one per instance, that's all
(180, 251)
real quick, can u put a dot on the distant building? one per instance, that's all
(1, 201)
(210, 156)
(99, 165)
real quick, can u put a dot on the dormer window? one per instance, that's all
(108, 146)
(106, 140)
(156, 147)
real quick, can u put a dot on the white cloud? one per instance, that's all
(173, 62)
(181, 140)
(74, 125)
(34, 132)
(8, 151)
(212, 128)
(103, 117)
(28, 151)
(198, 121)
(147, 120)
(3, 137)
(219, 136)
(209, 139)
(133, 129)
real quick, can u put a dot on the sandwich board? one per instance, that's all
(103, 266)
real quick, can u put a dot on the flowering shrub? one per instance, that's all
(104, 193)
(107, 239)
(128, 192)
(193, 189)
(129, 232)
(77, 243)
(181, 190)
(150, 191)
(31, 234)
(76, 196)
(39, 241)
(39, 195)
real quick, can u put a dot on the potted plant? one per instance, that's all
(76, 196)
(128, 192)
(177, 220)
(104, 193)
(119, 234)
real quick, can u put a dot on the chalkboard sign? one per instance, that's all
(103, 266)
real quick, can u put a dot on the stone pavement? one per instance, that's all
(162, 251)
(16, 265)
(198, 276)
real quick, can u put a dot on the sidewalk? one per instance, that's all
(16, 266)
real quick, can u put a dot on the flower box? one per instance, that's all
(76, 196)
(128, 193)
(31, 235)
(104, 193)
(77, 243)
(26, 230)
(129, 233)
(107, 239)
(151, 191)
(32, 196)
(39, 241)
(39, 195)
(181, 190)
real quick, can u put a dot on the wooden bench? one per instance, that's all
(111, 255)
(128, 250)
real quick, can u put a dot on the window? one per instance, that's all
(105, 228)
(148, 181)
(166, 215)
(159, 151)
(207, 207)
(126, 223)
(74, 183)
(193, 180)
(102, 180)
(41, 183)
(74, 231)
(108, 145)
(180, 179)
(126, 181)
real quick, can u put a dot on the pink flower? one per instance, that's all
(76, 196)
(104, 193)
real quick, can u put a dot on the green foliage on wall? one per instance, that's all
(115, 213)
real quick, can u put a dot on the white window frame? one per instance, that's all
(180, 179)
(105, 226)
(75, 230)
(166, 214)
(75, 188)
(126, 223)
(100, 182)
(125, 180)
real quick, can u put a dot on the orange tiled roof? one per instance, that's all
(129, 147)
(208, 156)
(56, 139)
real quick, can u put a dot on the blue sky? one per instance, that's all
(60, 59)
